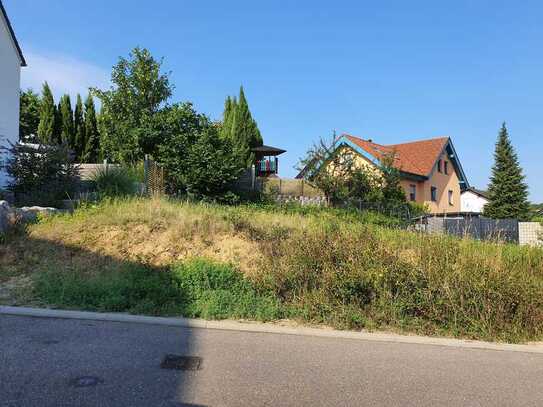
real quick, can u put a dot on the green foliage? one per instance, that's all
(508, 193)
(47, 128)
(79, 127)
(138, 93)
(29, 116)
(240, 128)
(42, 175)
(114, 182)
(91, 152)
(217, 291)
(196, 159)
(135, 289)
(196, 288)
(67, 132)
(393, 193)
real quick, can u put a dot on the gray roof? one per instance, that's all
(269, 150)
(479, 192)
(13, 37)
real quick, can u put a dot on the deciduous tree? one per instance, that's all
(29, 118)
(139, 91)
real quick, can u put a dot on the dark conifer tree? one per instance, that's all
(80, 141)
(92, 147)
(67, 131)
(508, 193)
(47, 127)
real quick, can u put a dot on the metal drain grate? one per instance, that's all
(86, 381)
(178, 362)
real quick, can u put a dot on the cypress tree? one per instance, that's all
(80, 141)
(92, 138)
(58, 125)
(230, 106)
(67, 132)
(245, 133)
(508, 193)
(46, 128)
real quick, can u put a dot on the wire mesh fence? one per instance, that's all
(154, 178)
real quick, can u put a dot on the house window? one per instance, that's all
(446, 168)
(433, 194)
(439, 166)
(451, 201)
(412, 192)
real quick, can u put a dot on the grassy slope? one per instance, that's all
(311, 265)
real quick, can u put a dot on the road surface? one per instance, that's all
(61, 362)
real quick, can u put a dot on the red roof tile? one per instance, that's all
(417, 157)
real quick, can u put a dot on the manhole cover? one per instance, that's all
(86, 381)
(178, 362)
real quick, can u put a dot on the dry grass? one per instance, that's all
(322, 266)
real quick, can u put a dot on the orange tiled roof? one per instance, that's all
(417, 157)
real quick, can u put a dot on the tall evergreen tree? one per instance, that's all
(230, 106)
(92, 147)
(58, 124)
(508, 193)
(29, 118)
(46, 128)
(67, 132)
(240, 127)
(80, 141)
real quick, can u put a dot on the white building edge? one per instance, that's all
(11, 61)
(472, 201)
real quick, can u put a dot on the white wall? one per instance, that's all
(10, 72)
(470, 202)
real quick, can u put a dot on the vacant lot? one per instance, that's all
(310, 265)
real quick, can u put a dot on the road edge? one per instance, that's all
(256, 327)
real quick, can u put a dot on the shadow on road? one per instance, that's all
(55, 362)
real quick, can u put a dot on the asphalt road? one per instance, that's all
(55, 362)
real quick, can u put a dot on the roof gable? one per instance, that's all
(418, 157)
(4, 15)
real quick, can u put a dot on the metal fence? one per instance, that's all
(155, 184)
(476, 227)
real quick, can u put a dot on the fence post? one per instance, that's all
(105, 165)
(146, 174)
(253, 177)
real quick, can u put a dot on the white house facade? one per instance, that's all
(472, 200)
(11, 61)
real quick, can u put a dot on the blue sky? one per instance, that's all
(392, 71)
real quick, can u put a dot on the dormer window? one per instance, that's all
(439, 166)
(446, 167)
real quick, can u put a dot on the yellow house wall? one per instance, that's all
(444, 183)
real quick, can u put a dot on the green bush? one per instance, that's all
(114, 182)
(40, 174)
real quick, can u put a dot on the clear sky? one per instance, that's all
(392, 71)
